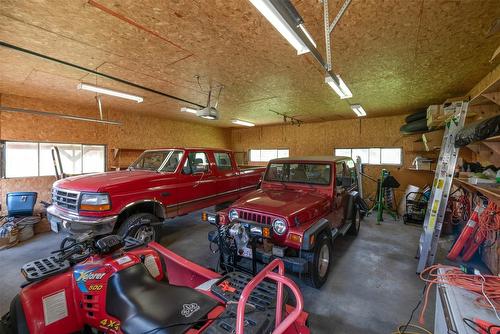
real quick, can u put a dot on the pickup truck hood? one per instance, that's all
(109, 180)
(284, 203)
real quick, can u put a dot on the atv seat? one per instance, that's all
(143, 304)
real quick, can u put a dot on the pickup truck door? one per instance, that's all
(227, 179)
(196, 183)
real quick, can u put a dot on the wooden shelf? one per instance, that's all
(490, 190)
(420, 170)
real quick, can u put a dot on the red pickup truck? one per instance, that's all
(160, 184)
(302, 205)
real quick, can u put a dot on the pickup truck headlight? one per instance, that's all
(94, 202)
(279, 226)
(233, 214)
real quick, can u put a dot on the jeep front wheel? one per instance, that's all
(146, 233)
(321, 259)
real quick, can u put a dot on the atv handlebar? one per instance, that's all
(280, 278)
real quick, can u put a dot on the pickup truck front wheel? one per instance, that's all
(319, 262)
(146, 233)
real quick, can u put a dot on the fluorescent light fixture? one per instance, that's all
(189, 110)
(341, 88)
(111, 92)
(240, 122)
(358, 110)
(308, 35)
(266, 8)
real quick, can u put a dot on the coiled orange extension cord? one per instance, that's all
(486, 286)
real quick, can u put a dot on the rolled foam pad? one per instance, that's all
(416, 126)
(416, 116)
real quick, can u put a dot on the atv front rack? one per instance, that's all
(281, 325)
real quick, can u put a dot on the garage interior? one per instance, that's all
(396, 78)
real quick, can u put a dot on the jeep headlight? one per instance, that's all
(233, 214)
(279, 226)
(94, 202)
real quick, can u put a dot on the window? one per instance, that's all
(299, 173)
(196, 162)
(223, 161)
(264, 155)
(150, 160)
(24, 159)
(172, 162)
(373, 155)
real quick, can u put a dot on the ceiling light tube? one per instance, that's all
(358, 110)
(266, 8)
(240, 122)
(106, 91)
(308, 35)
(189, 110)
(339, 86)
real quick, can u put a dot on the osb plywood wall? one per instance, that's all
(137, 131)
(323, 138)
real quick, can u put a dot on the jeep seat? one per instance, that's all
(143, 304)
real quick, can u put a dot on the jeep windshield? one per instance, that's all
(310, 173)
(161, 161)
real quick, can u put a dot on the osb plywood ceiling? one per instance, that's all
(396, 56)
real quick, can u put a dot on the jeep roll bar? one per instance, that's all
(280, 325)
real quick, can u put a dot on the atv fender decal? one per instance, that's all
(189, 309)
(82, 276)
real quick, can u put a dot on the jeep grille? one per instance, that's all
(255, 217)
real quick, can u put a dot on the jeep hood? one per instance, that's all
(285, 203)
(109, 181)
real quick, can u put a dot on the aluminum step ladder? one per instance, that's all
(441, 186)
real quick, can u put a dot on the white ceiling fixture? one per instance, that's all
(240, 122)
(106, 91)
(339, 86)
(189, 110)
(358, 110)
(266, 8)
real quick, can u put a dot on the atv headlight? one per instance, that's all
(233, 214)
(279, 226)
(94, 202)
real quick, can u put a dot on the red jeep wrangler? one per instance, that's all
(301, 206)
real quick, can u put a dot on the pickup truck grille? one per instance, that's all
(65, 199)
(256, 217)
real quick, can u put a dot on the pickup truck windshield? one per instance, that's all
(153, 160)
(309, 173)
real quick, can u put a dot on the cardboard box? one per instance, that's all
(42, 226)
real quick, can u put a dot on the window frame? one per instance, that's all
(297, 182)
(264, 149)
(231, 167)
(380, 148)
(3, 156)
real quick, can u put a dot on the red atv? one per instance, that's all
(115, 285)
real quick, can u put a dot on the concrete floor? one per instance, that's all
(371, 289)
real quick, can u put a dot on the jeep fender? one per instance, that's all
(315, 230)
(352, 203)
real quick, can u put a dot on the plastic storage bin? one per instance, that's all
(21, 203)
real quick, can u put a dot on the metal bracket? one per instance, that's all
(329, 28)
